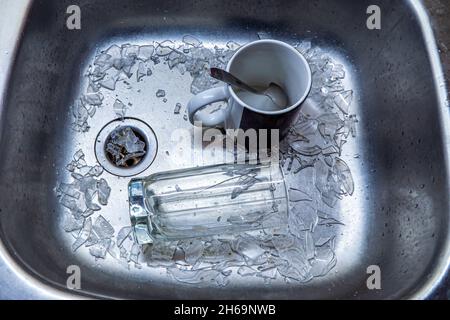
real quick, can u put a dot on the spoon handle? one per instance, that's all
(227, 77)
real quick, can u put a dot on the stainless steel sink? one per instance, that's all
(397, 219)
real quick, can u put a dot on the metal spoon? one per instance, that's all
(274, 92)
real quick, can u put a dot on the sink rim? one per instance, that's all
(26, 274)
(442, 268)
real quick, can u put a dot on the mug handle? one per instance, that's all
(204, 98)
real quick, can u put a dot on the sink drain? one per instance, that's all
(126, 147)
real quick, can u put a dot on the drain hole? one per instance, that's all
(125, 147)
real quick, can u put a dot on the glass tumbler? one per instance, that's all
(205, 201)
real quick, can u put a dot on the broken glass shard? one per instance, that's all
(69, 202)
(177, 108)
(95, 171)
(343, 100)
(244, 183)
(305, 148)
(327, 184)
(103, 228)
(193, 250)
(330, 150)
(164, 48)
(115, 52)
(119, 108)
(296, 195)
(109, 82)
(217, 251)
(100, 249)
(329, 198)
(338, 72)
(162, 254)
(282, 242)
(190, 40)
(87, 213)
(289, 271)
(303, 217)
(305, 128)
(102, 60)
(88, 186)
(245, 271)
(351, 123)
(295, 265)
(93, 239)
(134, 253)
(247, 247)
(129, 51)
(83, 235)
(329, 160)
(141, 71)
(103, 191)
(69, 190)
(345, 176)
(233, 46)
(94, 99)
(270, 273)
(222, 278)
(145, 52)
(175, 58)
(71, 224)
(263, 35)
(91, 110)
(81, 116)
(78, 156)
(123, 253)
(160, 93)
(322, 241)
(309, 245)
(324, 261)
(329, 124)
(122, 235)
(197, 277)
(304, 47)
(328, 221)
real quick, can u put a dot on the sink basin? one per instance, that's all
(397, 219)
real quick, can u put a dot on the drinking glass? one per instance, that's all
(205, 201)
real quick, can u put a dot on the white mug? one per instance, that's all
(258, 63)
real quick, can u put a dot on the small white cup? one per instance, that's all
(258, 63)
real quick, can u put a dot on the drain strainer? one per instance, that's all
(126, 147)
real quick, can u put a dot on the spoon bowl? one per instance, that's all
(274, 92)
(277, 95)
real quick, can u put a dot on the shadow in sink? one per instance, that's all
(397, 217)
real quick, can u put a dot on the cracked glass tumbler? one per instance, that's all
(205, 201)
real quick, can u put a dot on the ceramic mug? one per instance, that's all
(258, 63)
